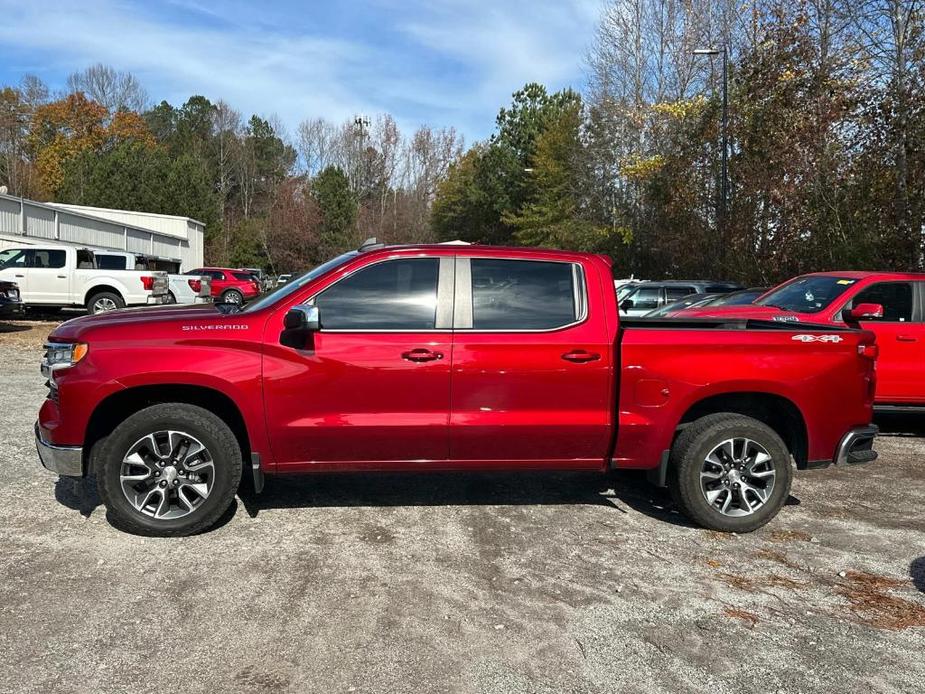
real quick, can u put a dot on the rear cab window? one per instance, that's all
(110, 262)
(514, 295)
(675, 293)
(648, 297)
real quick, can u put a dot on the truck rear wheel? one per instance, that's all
(104, 301)
(168, 470)
(729, 472)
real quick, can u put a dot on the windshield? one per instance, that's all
(807, 294)
(297, 282)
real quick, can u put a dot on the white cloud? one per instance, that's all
(452, 63)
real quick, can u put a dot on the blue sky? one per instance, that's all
(444, 62)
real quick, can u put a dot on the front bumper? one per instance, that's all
(11, 308)
(856, 446)
(64, 460)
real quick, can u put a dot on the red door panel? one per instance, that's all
(901, 339)
(533, 397)
(901, 364)
(359, 398)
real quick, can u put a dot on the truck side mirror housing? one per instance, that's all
(862, 311)
(626, 304)
(299, 326)
(303, 318)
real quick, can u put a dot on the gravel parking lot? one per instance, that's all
(414, 583)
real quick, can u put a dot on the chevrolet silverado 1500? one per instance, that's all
(447, 357)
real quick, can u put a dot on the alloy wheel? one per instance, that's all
(167, 474)
(104, 303)
(737, 477)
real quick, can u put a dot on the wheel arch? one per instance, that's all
(115, 408)
(99, 289)
(778, 412)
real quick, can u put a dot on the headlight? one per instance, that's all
(61, 355)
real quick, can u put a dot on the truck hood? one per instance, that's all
(75, 328)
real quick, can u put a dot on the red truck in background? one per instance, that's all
(230, 286)
(447, 358)
(889, 304)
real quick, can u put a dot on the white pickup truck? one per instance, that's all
(56, 276)
(181, 289)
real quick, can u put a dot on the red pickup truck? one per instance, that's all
(889, 304)
(447, 357)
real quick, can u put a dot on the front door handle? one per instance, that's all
(62, 277)
(20, 275)
(906, 338)
(420, 354)
(580, 356)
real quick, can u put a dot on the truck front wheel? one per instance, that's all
(168, 470)
(729, 472)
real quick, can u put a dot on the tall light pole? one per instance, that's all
(724, 175)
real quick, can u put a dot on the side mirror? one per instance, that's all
(862, 311)
(299, 327)
(626, 304)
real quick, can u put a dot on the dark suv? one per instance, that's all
(10, 300)
(648, 296)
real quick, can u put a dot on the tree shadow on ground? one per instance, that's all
(13, 327)
(917, 573)
(619, 491)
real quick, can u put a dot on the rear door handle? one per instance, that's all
(62, 277)
(906, 338)
(20, 275)
(420, 354)
(580, 356)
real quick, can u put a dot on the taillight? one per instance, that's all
(869, 351)
(195, 285)
(148, 282)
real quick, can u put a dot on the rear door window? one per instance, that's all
(895, 297)
(524, 294)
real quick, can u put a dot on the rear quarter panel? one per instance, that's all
(665, 372)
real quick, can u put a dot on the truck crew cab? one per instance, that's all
(447, 358)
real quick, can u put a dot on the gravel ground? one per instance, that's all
(475, 583)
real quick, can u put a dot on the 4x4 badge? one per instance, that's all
(817, 338)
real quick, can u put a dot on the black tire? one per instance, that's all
(171, 299)
(687, 459)
(215, 435)
(232, 296)
(97, 300)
